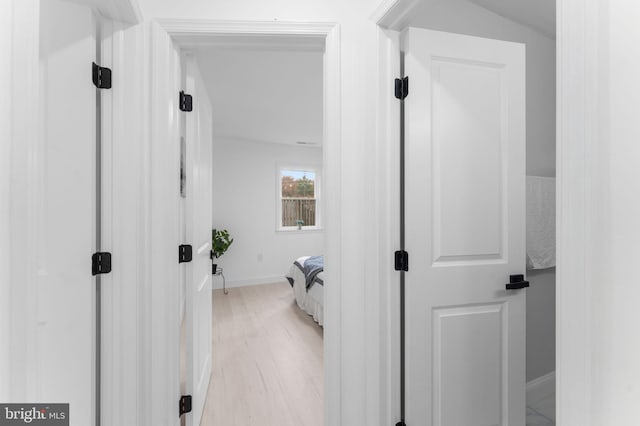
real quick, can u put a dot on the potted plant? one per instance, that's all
(220, 242)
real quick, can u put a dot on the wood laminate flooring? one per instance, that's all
(267, 360)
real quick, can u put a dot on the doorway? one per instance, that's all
(191, 38)
(482, 19)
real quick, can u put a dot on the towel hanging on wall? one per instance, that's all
(541, 222)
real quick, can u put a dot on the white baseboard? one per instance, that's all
(217, 282)
(540, 388)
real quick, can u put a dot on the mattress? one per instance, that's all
(310, 301)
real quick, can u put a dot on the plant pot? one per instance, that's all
(214, 267)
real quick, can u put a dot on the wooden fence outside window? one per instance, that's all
(295, 209)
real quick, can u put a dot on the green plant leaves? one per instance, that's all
(220, 242)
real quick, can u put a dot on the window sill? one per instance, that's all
(295, 230)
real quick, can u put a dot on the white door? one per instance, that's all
(465, 225)
(65, 346)
(198, 142)
(164, 232)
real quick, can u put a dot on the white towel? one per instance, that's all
(541, 222)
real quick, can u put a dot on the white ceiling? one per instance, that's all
(265, 93)
(537, 14)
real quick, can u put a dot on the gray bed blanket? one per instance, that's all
(311, 268)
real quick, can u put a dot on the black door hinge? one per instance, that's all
(101, 76)
(402, 260)
(100, 263)
(401, 423)
(402, 87)
(185, 253)
(185, 404)
(186, 102)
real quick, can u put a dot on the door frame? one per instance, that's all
(578, 164)
(186, 31)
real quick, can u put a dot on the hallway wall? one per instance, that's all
(5, 191)
(541, 323)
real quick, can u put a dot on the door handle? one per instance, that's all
(517, 282)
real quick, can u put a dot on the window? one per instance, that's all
(298, 201)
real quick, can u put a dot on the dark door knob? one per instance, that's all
(516, 282)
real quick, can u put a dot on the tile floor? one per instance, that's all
(542, 412)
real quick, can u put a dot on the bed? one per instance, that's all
(306, 276)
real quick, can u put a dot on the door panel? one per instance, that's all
(469, 128)
(465, 230)
(199, 134)
(468, 347)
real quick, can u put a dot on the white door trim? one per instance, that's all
(394, 14)
(186, 32)
(389, 17)
(580, 161)
(388, 184)
(127, 11)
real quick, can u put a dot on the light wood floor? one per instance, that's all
(267, 360)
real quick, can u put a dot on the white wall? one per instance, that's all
(245, 190)
(5, 190)
(24, 240)
(541, 323)
(467, 18)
